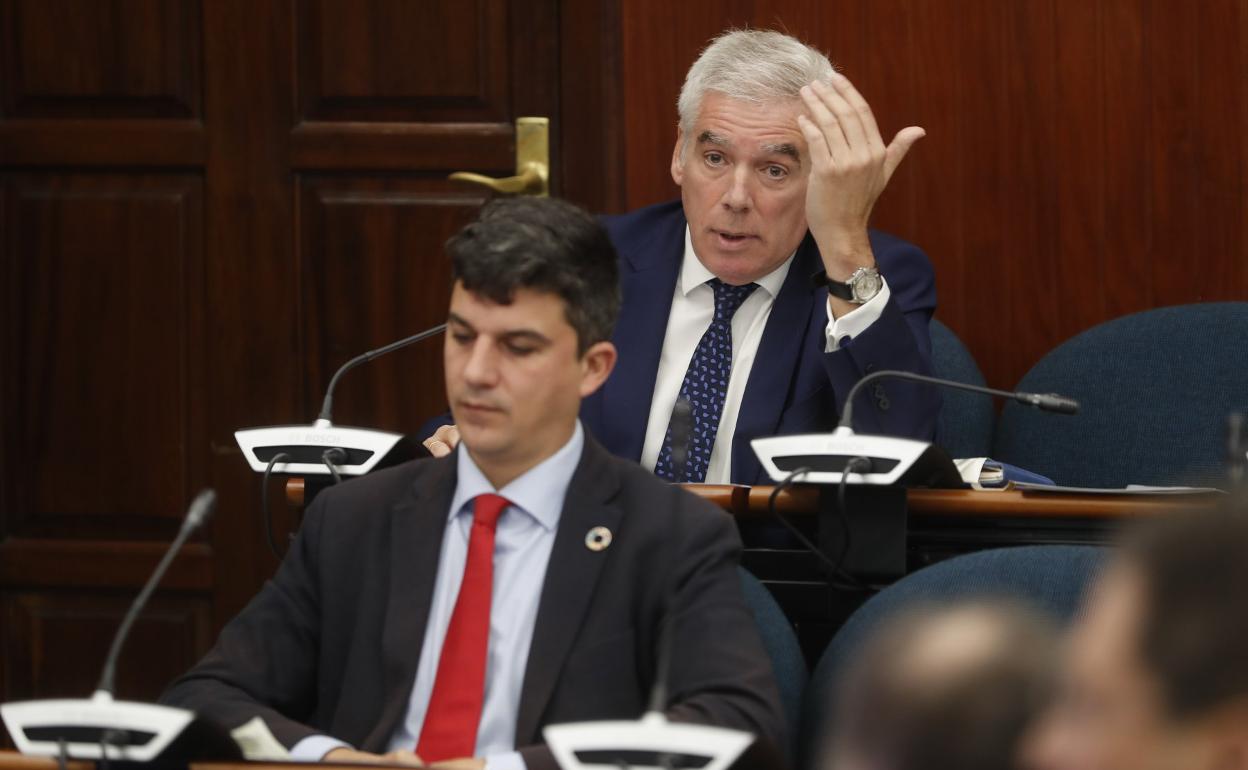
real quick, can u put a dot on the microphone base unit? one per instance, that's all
(650, 742)
(892, 460)
(125, 730)
(361, 448)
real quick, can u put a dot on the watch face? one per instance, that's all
(866, 285)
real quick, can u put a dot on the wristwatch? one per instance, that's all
(864, 284)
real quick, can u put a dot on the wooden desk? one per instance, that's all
(751, 502)
(11, 760)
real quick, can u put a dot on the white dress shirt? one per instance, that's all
(522, 545)
(693, 307)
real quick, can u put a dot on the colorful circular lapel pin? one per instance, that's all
(598, 538)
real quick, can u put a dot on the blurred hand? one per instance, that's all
(443, 441)
(463, 763)
(344, 754)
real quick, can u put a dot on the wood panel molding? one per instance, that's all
(112, 307)
(324, 145)
(57, 642)
(106, 59)
(102, 143)
(28, 564)
(368, 66)
(371, 253)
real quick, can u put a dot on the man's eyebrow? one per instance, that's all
(710, 137)
(515, 335)
(783, 149)
(526, 335)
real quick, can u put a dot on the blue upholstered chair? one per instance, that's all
(782, 647)
(965, 425)
(1155, 389)
(1051, 578)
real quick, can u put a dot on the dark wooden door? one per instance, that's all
(207, 207)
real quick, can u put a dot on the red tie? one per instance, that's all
(450, 729)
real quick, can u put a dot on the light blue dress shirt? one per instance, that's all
(522, 545)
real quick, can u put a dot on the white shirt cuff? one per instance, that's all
(509, 761)
(315, 747)
(856, 321)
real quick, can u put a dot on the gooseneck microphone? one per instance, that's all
(103, 728)
(327, 406)
(1049, 402)
(324, 448)
(856, 458)
(201, 508)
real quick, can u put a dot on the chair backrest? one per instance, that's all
(782, 646)
(965, 425)
(1155, 388)
(1050, 578)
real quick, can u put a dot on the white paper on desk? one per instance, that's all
(257, 742)
(1130, 489)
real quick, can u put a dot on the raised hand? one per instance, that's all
(850, 167)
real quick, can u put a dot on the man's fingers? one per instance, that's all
(826, 122)
(400, 757)
(861, 108)
(443, 441)
(901, 145)
(846, 116)
(815, 143)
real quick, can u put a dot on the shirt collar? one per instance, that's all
(693, 273)
(539, 491)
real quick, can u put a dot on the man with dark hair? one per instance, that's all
(761, 296)
(447, 610)
(1157, 669)
(944, 688)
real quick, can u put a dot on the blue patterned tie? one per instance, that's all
(706, 385)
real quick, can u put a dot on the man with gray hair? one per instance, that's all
(780, 162)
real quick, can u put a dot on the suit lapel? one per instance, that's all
(647, 282)
(417, 525)
(571, 579)
(767, 390)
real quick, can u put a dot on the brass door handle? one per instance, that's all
(532, 162)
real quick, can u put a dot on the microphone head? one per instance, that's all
(1054, 402)
(1049, 402)
(201, 508)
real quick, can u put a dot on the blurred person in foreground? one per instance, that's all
(1156, 674)
(944, 688)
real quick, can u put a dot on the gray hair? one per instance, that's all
(755, 65)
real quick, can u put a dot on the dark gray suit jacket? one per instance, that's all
(331, 644)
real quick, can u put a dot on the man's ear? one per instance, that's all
(678, 160)
(596, 366)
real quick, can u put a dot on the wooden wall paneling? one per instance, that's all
(114, 58)
(1124, 242)
(375, 271)
(1022, 242)
(391, 60)
(251, 282)
(591, 113)
(1176, 176)
(111, 269)
(935, 171)
(1220, 60)
(57, 641)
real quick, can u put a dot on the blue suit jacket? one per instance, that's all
(794, 386)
